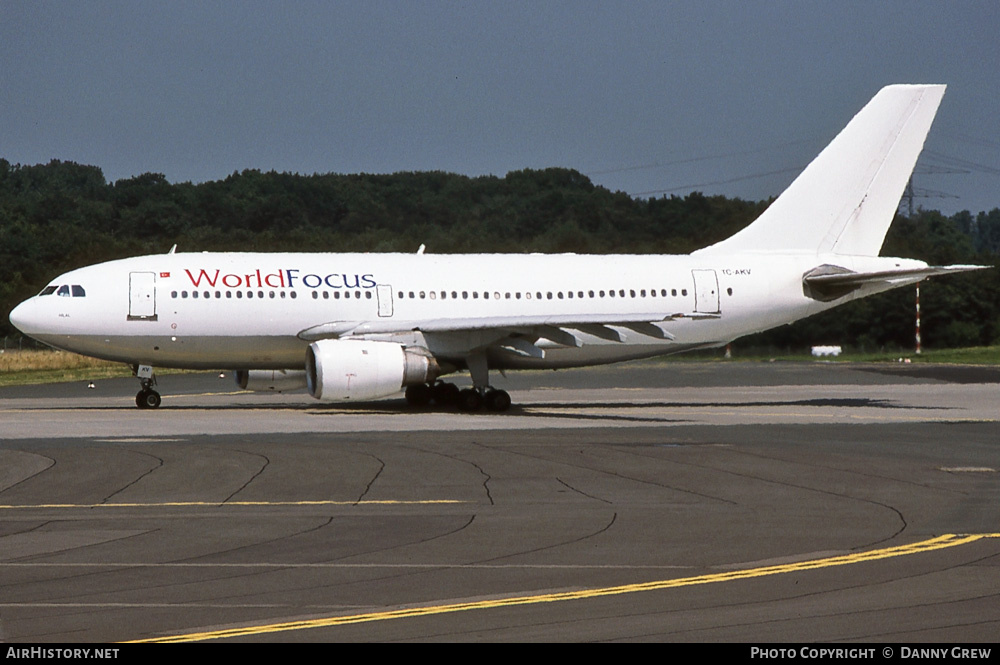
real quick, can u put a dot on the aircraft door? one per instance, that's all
(141, 296)
(706, 291)
(384, 294)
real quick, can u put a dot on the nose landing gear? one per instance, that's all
(146, 398)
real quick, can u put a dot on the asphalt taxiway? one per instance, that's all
(679, 501)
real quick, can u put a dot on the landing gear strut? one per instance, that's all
(146, 398)
(482, 393)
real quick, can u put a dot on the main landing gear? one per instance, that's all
(481, 395)
(146, 398)
(448, 394)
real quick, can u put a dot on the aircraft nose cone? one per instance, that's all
(23, 317)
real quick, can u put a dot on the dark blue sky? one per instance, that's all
(723, 97)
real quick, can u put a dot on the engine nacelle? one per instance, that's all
(353, 369)
(273, 380)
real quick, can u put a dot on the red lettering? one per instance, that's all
(231, 280)
(202, 275)
(281, 280)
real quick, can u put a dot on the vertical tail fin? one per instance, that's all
(845, 200)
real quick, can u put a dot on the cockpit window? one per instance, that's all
(66, 290)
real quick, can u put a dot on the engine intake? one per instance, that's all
(349, 369)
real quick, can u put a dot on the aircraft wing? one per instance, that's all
(828, 282)
(517, 332)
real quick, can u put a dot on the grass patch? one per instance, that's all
(37, 366)
(979, 355)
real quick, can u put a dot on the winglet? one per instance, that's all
(845, 200)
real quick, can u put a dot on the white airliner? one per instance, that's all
(363, 326)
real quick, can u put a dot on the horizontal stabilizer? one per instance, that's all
(828, 282)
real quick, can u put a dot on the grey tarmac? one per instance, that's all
(754, 502)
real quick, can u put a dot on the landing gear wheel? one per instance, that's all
(497, 400)
(444, 393)
(419, 394)
(470, 400)
(147, 399)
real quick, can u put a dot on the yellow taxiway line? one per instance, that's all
(226, 504)
(941, 542)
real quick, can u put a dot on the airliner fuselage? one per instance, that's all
(260, 311)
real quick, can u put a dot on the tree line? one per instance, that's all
(58, 216)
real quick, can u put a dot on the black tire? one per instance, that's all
(470, 400)
(497, 400)
(147, 399)
(445, 393)
(418, 394)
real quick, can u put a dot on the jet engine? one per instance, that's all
(270, 380)
(339, 370)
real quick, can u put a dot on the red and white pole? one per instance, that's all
(918, 318)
